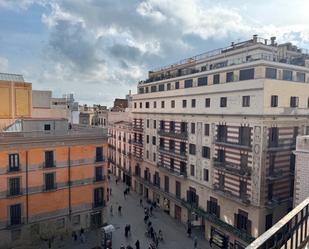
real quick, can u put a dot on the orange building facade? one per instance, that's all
(51, 182)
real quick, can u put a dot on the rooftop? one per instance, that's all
(11, 77)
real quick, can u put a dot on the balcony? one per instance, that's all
(274, 175)
(139, 129)
(276, 146)
(233, 168)
(216, 220)
(167, 169)
(244, 198)
(137, 157)
(289, 232)
(50, 188)
(47, 164)
(14, 193)
(224, 142)
(173, 134)
(181, 154)
(98, 204)
(99, 159)
(137, 143)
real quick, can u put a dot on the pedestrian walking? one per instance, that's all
(111, 210)
(141, 202)
(119, 210)
(189, 231)
(146, 219)
(195, 242)
(129, 247)
(124, 194)
(122, 246)
(129, 229)
(137, 245)
(110, 191)
(126, 231)
(82, 238)
(116, 180)
(74, 236)
(151, 209)
(210, 242)
(149, 224)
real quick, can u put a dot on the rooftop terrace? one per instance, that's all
(11, 77)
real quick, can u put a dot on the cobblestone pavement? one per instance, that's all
(174, 232)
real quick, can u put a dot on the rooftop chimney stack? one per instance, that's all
(255, 38)
(273, 38)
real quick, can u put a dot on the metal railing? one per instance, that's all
(289, 232)
(233, 168)
(173, 134)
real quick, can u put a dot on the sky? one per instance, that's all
(100, 49)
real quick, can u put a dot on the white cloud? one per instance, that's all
(4, 64)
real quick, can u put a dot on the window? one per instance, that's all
(98, 197)
(162, 124)
(182, 147)
(161, 87)
(155, 124)
(183, 170)
(246, 74)
(168, 86)
(184, 103)
(135, 105)
(193, 128)
(47, 127)
(192, 149)
(98, 174)
(155, 104)
(172, 103)
(147, 89)
(166, 184)
(183, 127)
(188, 83)
(13, 162)
(140, 105)
(273, 137)
(242, 222)
(49, 159)
(154, 140)
(147, 139)
(243, 161)
(14, 186)
(222, 133)
(171, 145)
(172, 164)
(99, 154)
(154, 157)
(202, 81)
(245, 101)
(147, 154)
(193, 103)
(271, 73)
(221, 181)
(161, 142)
(216, 79)
(287, 75)
(206, 129)
(223, 101)
(268, 221)
(221, 156)
(178, 189)
(213, 207)
(192, 170)
(206, 175)
(60, 223)
(242, 189)
(300, 77)
(229, 77)
(206, 152)
(147, 105)
(274, 101)
(172, 126)
(207, 102)
(147, 123)
(141, 90)
(177, 85)
(162, 104)
(244, 135)
(50, 181)
(294, 101)
(15, 214)
(153, 89)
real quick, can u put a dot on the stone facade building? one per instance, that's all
(213, 137)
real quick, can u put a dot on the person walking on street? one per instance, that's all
(126, 230)
(111, 210)
(137, 245)
(141, 202)
(124, 194)
(195, 242)
(119, 210)
(189, 231)
(151, 209)
(110, 191)
(210, 242)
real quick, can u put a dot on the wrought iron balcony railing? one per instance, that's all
(233, 168)
(173, 134)
(180, 154)
(172, 171)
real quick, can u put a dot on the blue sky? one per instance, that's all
(99, 49)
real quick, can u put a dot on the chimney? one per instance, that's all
(255, 38)
(273, 38)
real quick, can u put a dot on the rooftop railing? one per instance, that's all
(289, 232)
